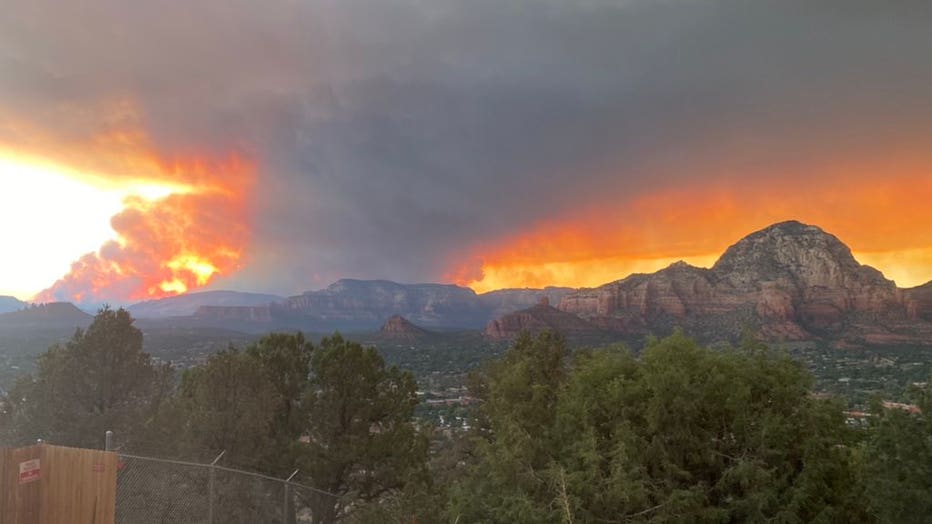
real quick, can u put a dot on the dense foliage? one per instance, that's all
(899, 460)
(335, 412)
(99, 380)
(244, 403)
(680, 433)
(361, 440)
(684, 434)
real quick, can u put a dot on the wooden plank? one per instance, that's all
(80, 486)
(65, 486)
(21, 497)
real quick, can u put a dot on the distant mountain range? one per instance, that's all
(8, 304)
(51, 315)
(189, 303)
(365, 304)
(348, 305)
(787, 282)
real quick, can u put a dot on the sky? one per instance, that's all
(153, 148)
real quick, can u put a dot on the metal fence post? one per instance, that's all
(210, 488)
(286, 515)
(108, 441)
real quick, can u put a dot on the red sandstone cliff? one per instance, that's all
(790, 281)
(542, 317)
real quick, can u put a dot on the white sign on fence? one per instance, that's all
(29, 471)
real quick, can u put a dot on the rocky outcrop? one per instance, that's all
(542, 317)
(790, 281)
(400, 328)
(919, 302)
(643, 303)
(814, 269)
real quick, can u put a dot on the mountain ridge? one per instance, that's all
(189, 303)
(789, 281)
(52, 314)
(364, 304)
(9, 304)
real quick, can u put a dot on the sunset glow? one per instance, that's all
(147, 151)
(697, 224)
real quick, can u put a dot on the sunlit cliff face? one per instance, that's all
(153, 224)
(886, 220)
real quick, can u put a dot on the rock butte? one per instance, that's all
(787, 282)
(399, 328)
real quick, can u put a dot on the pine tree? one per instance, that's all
(99, 380)
(363, 445)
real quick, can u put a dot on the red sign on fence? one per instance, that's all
(29, 471)
(98, 468)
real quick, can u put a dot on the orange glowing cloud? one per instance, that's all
(185, 217)
(163, 247)
(887, 222)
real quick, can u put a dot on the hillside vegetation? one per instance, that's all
(680, 433)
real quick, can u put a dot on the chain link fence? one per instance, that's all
(156, 491)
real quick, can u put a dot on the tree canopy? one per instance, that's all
(97, 381)
(679, 433)
(362, 441)
(246, 403)
(899, 459)
(683, 434)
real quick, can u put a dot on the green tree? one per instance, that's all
(683, 434)
(228, 405)
(99, 380)
(286, 361)
(514, 430)
(362, 443)
(898, 459)
(737, 436)
(246, 403)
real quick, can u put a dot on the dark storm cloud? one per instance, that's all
(392, 134)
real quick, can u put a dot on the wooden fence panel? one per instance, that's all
(80, 486)
(65, 486)
(21, 492)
